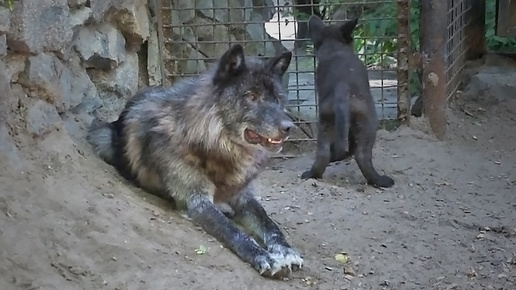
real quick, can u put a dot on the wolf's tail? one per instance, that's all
(102, 137)
(341, 109)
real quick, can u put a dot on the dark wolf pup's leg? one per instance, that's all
(322, 155)
(203, 212)
(365, 137)
(251, 214)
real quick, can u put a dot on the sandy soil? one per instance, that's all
(68, 221)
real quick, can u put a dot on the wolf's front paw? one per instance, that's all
(290, 256)
(278, 262)
(310, 174)
(383, 181)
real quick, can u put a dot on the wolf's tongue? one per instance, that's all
(253, 134)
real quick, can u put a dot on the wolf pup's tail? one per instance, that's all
(101, 136)
(342, 119)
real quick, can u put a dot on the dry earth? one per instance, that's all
(68, 221)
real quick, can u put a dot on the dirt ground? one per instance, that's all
(68, 221)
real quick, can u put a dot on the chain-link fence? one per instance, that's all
(194, 33)
(456, 46)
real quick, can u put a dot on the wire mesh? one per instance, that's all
(195, 33)
(456, 44)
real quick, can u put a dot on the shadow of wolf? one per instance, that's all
(202, 142)
(347, 115)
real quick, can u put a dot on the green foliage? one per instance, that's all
(10, 4)
(376, 33)
(494, 42)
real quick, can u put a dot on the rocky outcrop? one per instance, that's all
(64, 60)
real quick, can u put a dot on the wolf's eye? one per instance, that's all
(252, 96)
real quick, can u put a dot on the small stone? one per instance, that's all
(348, 270)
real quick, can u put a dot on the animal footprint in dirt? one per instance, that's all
(278, 262)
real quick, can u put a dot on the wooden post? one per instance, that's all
(404, 51)
(476, 30)
(433, 46)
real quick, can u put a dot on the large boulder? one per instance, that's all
(84, 91)
(121, 82)
(100, 46)
(5, 20)
(132, 19)
(79, 16)
(37, 26)
(45, 77)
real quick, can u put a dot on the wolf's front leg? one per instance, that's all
(251, 214)
(204, 212)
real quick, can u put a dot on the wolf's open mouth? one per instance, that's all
(255, 138)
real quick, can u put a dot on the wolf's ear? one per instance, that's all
(231, 63)
(315, 27)
(280, 63)
(346, 30)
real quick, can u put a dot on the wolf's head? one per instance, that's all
(251, 99)
(321, 33)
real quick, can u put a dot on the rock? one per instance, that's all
(132, 19)
(5, 20)
(213, 28)
(79, 16)
(99, 9)
(38, 26)
(3, 45)
(14, 65)
(76, 3)
(187, 12)
(42, 118)
(84, 91)
(121, 82)
(153, 6)
(213, 39)
(265, 8)
(491, 85)
(256, 31)
(101, 47)
(211, 9)
(9, 154)
(47, 78)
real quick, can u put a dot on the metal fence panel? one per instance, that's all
(194, 33)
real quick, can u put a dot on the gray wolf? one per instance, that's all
(202, 142)
(347, 116)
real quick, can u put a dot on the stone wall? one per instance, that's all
(63, 60)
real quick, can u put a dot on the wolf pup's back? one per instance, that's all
(204, 141)
(347, 115)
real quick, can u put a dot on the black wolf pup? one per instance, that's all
(202, 143)
(347, 114)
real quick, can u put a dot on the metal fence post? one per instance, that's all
(433, 26)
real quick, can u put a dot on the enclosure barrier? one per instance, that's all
(192, 34)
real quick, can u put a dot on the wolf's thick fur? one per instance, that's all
(204, 141)
(347, 114)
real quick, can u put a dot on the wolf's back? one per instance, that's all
(101, 137)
